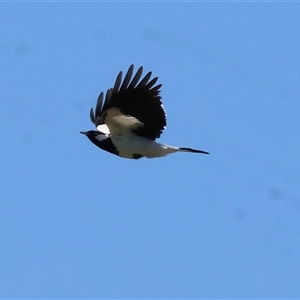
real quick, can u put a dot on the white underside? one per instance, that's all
(142, 146)
(128, 144)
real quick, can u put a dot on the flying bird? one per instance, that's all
(130, 118)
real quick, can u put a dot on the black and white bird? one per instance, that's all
(131, 118)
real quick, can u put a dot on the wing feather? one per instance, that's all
(118, 82)
(137, 100)
(99, 104)
(144, 81)
(151, 83)
(127, 78)
(136, 78)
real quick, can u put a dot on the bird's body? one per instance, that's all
(131, 118)
(137, 147)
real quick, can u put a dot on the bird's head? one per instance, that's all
(95, 136)
(101, 140)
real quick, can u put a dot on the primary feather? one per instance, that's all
(138, 100)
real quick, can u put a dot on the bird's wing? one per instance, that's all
(132, 105)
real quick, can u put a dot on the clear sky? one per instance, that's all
(78, 222)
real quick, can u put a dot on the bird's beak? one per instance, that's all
(83, 132)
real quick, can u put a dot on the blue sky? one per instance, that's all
(78, 222)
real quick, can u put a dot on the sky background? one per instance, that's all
(78, 222)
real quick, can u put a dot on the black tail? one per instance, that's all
(193, 150)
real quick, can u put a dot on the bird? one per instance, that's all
(131, 117)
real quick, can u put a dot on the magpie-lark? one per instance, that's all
(130, 118)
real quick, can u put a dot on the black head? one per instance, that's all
(95, 136)
(101, 140)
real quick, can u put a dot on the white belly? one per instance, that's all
(136, 145)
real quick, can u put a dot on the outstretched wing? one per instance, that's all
(133, 104)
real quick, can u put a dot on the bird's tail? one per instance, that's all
(192, 150)
(160, 150)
